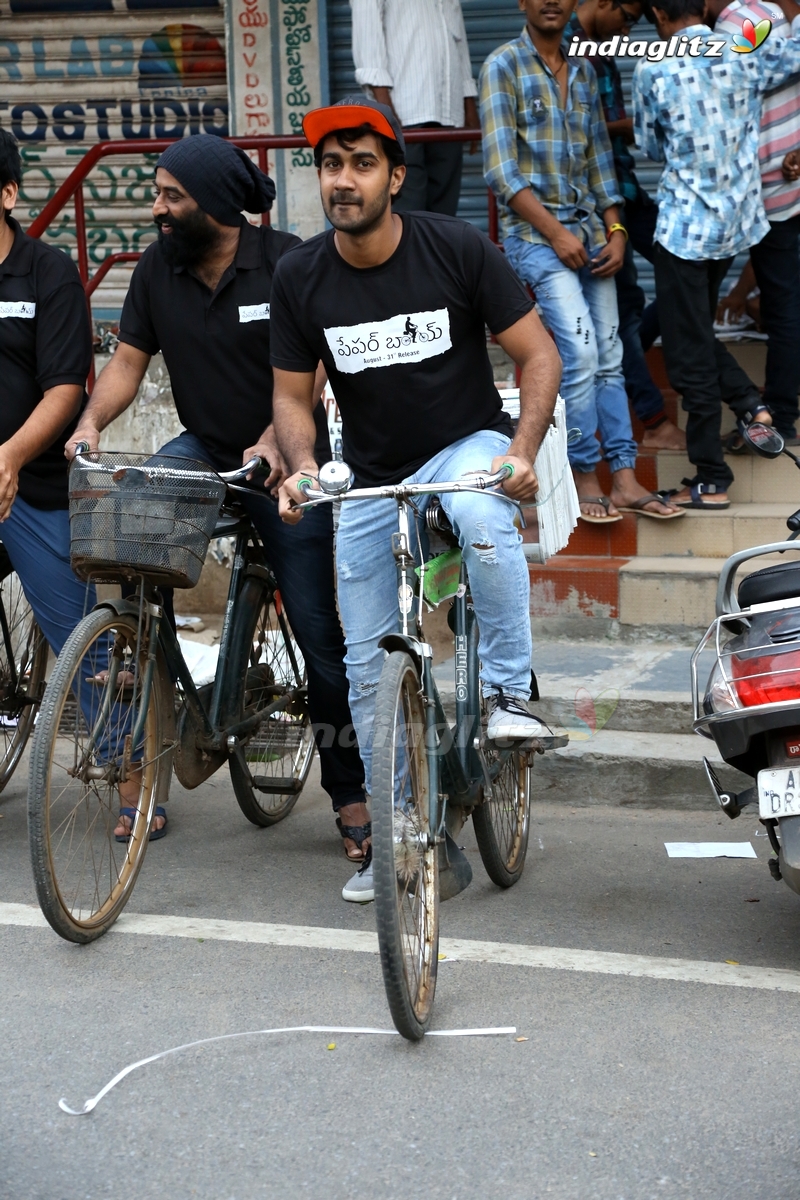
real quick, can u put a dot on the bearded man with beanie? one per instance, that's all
(201, 295)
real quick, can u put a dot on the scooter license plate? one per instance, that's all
(779, 793)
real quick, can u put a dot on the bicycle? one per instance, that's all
(108, 724)
(23, 668)
(428, 777)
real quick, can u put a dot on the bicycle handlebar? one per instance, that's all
(235, 476)
(473, 482)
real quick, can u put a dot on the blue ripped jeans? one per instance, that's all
(582, 313)
(498, 577)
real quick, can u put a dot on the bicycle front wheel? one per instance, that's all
(23, 667)
(405, 859)
(86, 750)
(267, 662)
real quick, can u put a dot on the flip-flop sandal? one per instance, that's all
(605, 503)
(697, 491)
(638, 506)
(155, 834)
(357, 834)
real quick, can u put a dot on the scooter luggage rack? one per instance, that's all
(727, 682)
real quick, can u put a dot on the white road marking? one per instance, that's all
(310, 937)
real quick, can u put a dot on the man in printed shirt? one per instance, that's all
(597, 21)
(412, 55)
(775, 259)
(548, 159)
(700, 116)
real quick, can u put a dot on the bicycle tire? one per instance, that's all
(21, 686)
(266, 660)
(83, 876)
(502, 821)
(405, 858)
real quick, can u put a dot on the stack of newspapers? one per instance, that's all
(556, 509)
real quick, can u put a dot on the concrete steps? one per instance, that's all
(644, 573)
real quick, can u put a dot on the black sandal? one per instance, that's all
(357, 834)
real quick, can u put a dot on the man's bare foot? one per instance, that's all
(665, 437)
(626, 491)
(588, 488)
(354, 814)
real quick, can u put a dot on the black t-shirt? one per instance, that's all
(215, 345)
(404, 343)
(45, 340)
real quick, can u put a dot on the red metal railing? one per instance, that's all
(73, 186)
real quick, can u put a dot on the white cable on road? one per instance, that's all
(225, 1037)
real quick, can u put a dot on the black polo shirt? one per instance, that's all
(45, 340)
(215, 344)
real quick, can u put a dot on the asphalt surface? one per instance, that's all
(626, 1089)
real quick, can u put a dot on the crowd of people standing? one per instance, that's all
(557, 145)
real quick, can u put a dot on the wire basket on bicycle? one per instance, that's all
(142, 514)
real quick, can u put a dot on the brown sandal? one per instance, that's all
(605, 502)
(638, 506)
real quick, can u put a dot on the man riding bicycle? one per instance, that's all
(424, 410)
(202, 296)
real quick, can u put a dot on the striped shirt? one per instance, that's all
(418, 48)
(780, 114)
(531, 141)
(701, 117)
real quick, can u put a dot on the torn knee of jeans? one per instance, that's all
(367, 688)
(482, 545)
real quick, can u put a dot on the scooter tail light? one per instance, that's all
(766, 679)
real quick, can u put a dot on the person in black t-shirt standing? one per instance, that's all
(202, 296)
(395, 306)
(45, 357)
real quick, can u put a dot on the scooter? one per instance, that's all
(751, 704)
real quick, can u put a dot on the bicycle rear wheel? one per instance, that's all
(83, 744)
(23, 667)
(266, 659)
(405, 859)
(502, 821)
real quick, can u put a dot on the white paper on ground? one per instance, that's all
(710, 850)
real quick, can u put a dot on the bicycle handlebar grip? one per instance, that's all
(82, 448)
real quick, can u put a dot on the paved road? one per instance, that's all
(626, 1089)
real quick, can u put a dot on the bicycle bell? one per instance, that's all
(335, 478)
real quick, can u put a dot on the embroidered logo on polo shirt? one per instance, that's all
(406, 338)
(18, 308)
(253, 312)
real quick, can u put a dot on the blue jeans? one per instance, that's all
(301, 558)
(498, 576)
(37, 541)
(582, 313)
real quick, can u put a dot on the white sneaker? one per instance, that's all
(510, 718)
(361, 888)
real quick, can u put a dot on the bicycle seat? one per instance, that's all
(778, 582)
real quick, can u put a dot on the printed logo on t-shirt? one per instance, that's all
(406, 338)
(18, 308)
(253, 312)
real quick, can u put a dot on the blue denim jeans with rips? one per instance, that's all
(581, 310)
(498, 576)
